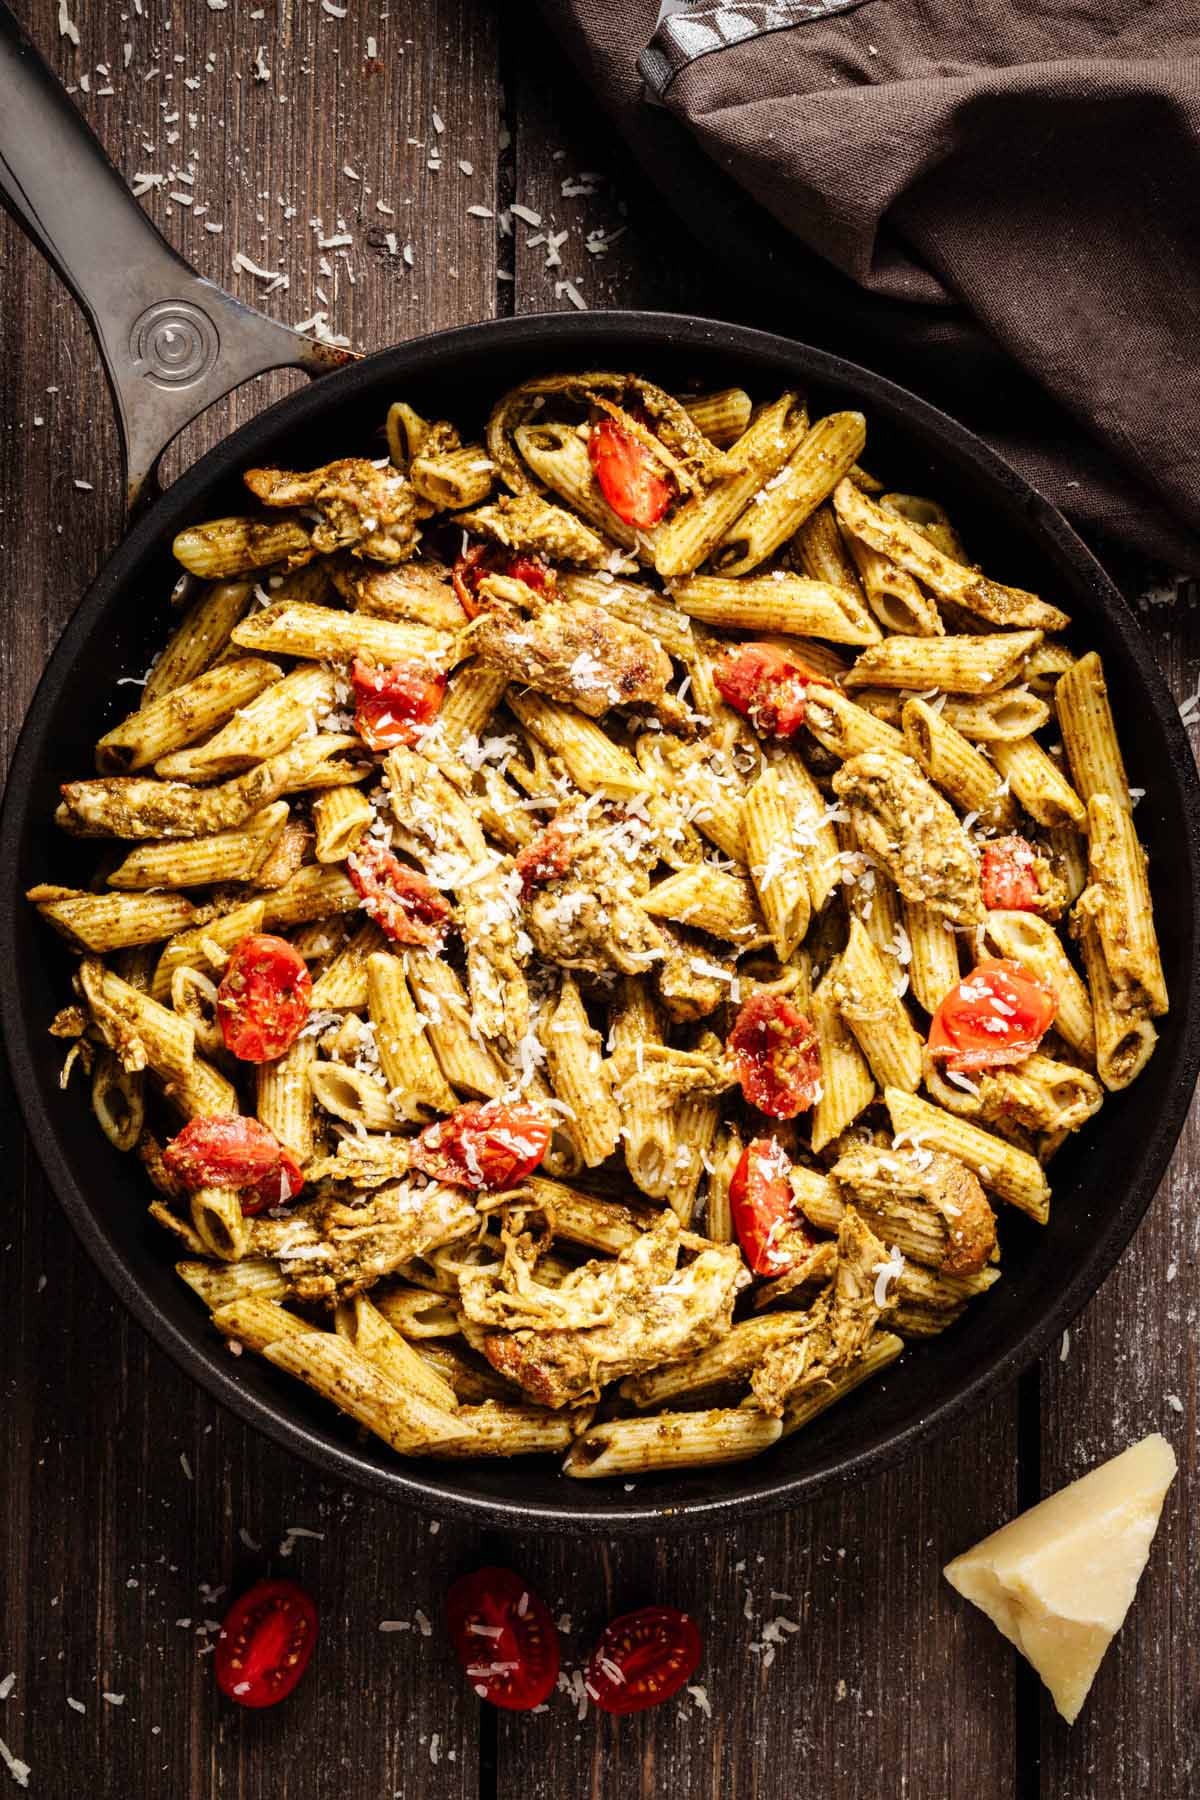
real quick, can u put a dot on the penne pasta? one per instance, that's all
(1089, 734)
(1002, 1169)
(962, 665)
(780, 507)
(326, 635)
(675, 1440)
(693, 531)
(199, 638)
(847, 1088)
(793, 604)
(1038, 783)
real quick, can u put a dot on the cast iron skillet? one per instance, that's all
(173, 342)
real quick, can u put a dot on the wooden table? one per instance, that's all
(132, 1506)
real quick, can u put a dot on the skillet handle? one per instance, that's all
(171, 342)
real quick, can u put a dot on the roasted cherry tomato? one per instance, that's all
(504, 1638)
(478, 560)
(402, 903)
(265, 1643)
(774, 1050)
(996, 1016)
(643, 1658)
(768, 1226)
(767, 686)
(1008, 876)
(263, 999)
(229, 1151)
(630, 479)
(487, 1145)
(545, 858)
(394, 704)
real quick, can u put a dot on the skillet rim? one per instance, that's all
(425, 1485)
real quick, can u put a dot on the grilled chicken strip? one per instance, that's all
(370, 511)
(580, 654)
(903, 821)
(329, 1251)
(840, 1322)
(606, 1320)
(875, 1178)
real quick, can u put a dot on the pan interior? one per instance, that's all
(1102, 1181)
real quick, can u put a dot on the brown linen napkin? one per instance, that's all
(978, 182)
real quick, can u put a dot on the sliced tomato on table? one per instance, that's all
(405, 906)
(765, 1217)
(265, 1643)
(996, 1016)
(631, 479)
(642, 1659)
(478, 560)
(263, 999)
(544, 858)
(767, 686)
(776, 1056)
(482, 1145)
(504, 1638)
(230, 1151)
(394, 704)
(1009, 876)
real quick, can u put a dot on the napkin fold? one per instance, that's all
(996, 203)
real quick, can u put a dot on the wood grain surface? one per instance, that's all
(131, 1507)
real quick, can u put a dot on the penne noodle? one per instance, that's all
(905, 544)
(867, 999)
(722, 416)
(580, 1077)
(227, 856)
(711, 900)
(778, 864)
(1125, 1035)
(269, 724)
(225, 547)
(676, 1440)
(847, 1088)
(966, 778)
(963, 665)
(405, 1055)
(594, 762)
(780, 507)
(1033, 941)
(326, 635)
(895, 598)
(1038, 783)
(284, 1098)
(693, 531)
(340, 816)
(1000, 1167)
(559, 458)
(1089, 735)
(105, 922)
(792, 604)
(182, 714)
(199, 638)
(453, 478)
(1121, 908)
(882, 1350)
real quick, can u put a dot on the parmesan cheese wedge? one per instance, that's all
(1058, 1580)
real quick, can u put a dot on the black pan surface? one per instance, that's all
(1102, 1182)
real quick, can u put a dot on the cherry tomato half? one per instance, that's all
(227, 1150)
(1008, 876)
(394, 704)
(504, 1638)
(775, 1054)
(765, 1218)
(544, 859)
(485, 1145)
(263, 999)
(478, 560)
(642, 1659)
(995, 1016)
(630, 479)
(402, 903)
(767, 686)
(265, 1643)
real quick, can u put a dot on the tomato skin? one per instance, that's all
(490, 1601)
(478, 560)
(642, 1659)
(545, 858)
(767, 686)
(775, 1054)
(995, 1017)
(1008, 877)
(231, 1151)
(405, 906)
(629, 477)
(482, 1145)
(265, 1643)
(393, 705)
(263, 999)
(769, 1230)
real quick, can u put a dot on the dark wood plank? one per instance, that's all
(1130, 1367)
(834, 1712)
(105, 1540)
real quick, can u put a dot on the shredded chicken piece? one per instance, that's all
(368, 511)
(840, 1322)
(605, 1320)
(437, 825)
(687, 980)
(330, 1250)
(588, 917)
(573, 652)
(418, 591)
(525, 522)
(648, 1088)
(876, 1178)
(901, 819)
